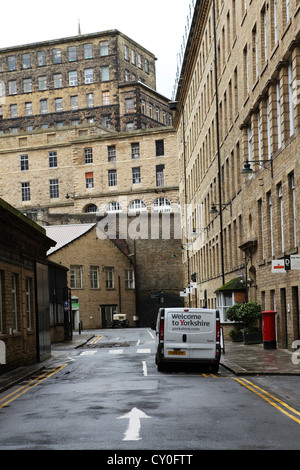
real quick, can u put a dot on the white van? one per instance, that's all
(187, 335)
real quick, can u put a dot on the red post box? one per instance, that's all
(269, 332)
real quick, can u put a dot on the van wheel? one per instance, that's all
(215, 368)
(160, 367)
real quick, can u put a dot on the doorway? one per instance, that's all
(107, 312)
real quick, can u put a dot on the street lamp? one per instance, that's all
(247, 170)
(214, 210)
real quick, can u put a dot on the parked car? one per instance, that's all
(120, 319)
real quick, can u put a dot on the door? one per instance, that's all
(107, 312)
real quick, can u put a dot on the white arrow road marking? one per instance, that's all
(133, 430)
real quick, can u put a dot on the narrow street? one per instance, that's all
(108, 395)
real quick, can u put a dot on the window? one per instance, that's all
(88, 51)
(133, 57)
(160, 175)
(129, 279)
(72, 53)
(139, 61)
(11, 62)
(12, 87)
(94, 277)
(129, 107)
(28, 109)
(58, 105)
(255, 54)
(249, 140)
(270, 221)
(146, 65)
(113, 207)
(112, 177)
(28, 301)
(88, 155)
(103, 48)
(106, 121)
(291, 100)
(143, 106)
(280, 207)
(261, 228)
(44, 106)
(162, 204)
(126, 52)
(159, 146)
(89, 180)
(264, 50)
(246, 71)
(88, 76)
(42, 83)
(13, 111)
(52, 159)
(110, 278)
(136, 175)
(287, 10)
(268, 128)
(135, 150)
(2, 89)
(56, 56)
(54, 189)
(105, 98)
(279, 142)
(274, 24)
(73, 78)
(41, 59)
(57, 80)
(104, 74)
(76, 276)
(26, 62)
(24, 162)
(74, 102)
(90, 100)
(14, 294)
(292, 209)
(111, 153)
(137, 205)
(27, 85)
(25, 191)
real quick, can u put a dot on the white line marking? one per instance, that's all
(145, 371)
(115, 351)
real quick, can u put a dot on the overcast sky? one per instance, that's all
(157, 25)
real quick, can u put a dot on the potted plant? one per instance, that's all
(236, 334)
(247, 316)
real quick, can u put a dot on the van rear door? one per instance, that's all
(190, 334)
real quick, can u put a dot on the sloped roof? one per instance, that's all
(65, 234)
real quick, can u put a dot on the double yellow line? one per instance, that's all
(32, 383)
(96, 339)
(278, 404)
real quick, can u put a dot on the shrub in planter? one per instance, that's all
(247, 316)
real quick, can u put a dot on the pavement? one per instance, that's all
(240, 359)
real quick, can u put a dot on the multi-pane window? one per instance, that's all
(129, 106)
(12, 87)
(74, 102)
(42, 83)
(58, 105)
(28, 301)
(27, 85)
(13, 111)
(105, 98)
(88, 155)
(126, 52)
(129, 279)
(28, 109)
(24, 162)
(103, 48)
(110, 278)
(73, 78)
(76, 276)
(135, 150)
(52, 159)
(14, 295)
(72, 53)
(159, 146)
(106, 121)
(56, 56)
(41, 59)
(44, 106)
(25, 190)
(160, 175)
(94, 277)
(88, 51)
(88, 76)
(105, 74)
(89, 180)
(279, 142)
(11, 62)
(111, 153)
(90, 100)
(54, 188)
(112, 177)
(291, 99)
(26, 62)
(136, 175)
(57, 78)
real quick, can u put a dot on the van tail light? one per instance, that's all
(218, 330)
(161, 329)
